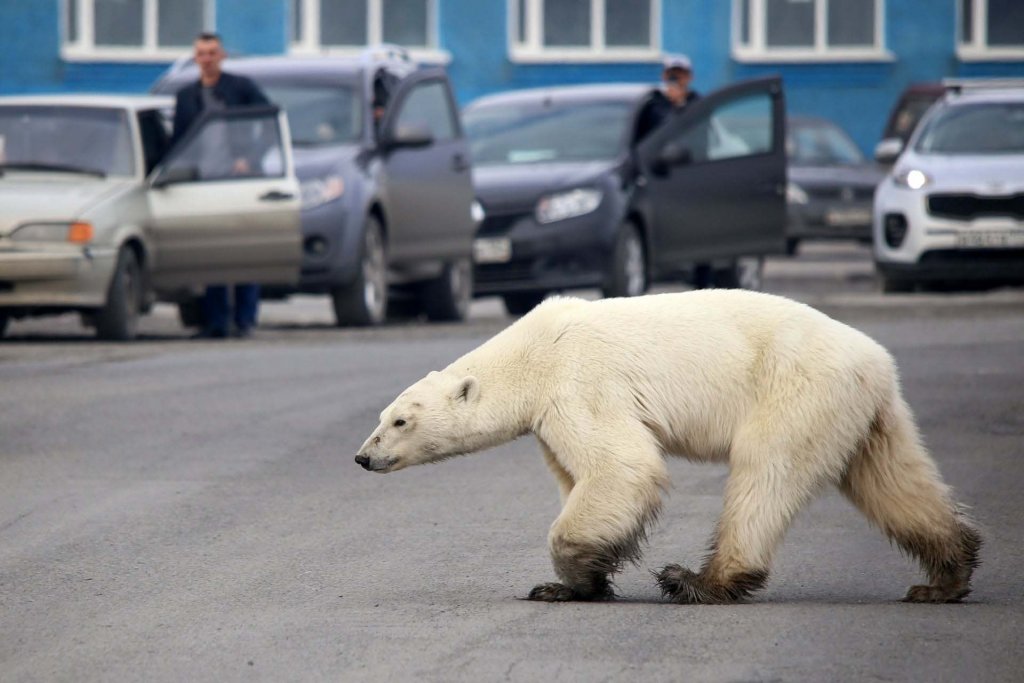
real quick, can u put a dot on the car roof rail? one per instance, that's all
(959, 85)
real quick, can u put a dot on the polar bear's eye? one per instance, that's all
(399, 422)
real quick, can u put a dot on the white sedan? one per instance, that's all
(951, 212)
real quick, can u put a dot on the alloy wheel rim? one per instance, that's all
(634, 267)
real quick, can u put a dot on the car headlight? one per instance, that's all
(796, 194)
(911, 178)
(318, 191)
(476, 211)
(78, 232)
(558, 207)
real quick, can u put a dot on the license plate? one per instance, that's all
(492, 250)
(990, 239)
(845, 217)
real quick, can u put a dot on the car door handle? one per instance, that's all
(459, 163)
(275, 196)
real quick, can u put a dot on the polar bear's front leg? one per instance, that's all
(615, 496)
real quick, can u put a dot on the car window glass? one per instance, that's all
(737, 128)
(320, 115)
(815, 143)
(428, 105)
(87, 138)
(539, 132)
(986, 128)
(233, 147)
(155, 138)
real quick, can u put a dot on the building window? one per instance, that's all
(133, 29)
(584, 30)
(991, 29)
(808, 30)
(346, 25)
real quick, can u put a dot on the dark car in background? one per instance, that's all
(830, 184)
(386, 204)
(572, 198)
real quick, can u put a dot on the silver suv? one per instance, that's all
(97, 216)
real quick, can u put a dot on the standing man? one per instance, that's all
(216, 90)
(675, 95)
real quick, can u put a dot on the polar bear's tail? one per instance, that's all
(897, 485)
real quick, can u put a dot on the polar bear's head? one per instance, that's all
(429, 421)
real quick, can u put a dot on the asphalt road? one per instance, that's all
(176, 510)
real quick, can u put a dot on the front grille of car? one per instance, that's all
(513, 271)
(498, 224)
(967, 206)
(846, 194)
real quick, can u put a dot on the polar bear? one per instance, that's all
(789, 398)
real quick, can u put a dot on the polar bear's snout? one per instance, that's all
(364, 461)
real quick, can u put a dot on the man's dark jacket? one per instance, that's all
(658, 110)
(231, 90)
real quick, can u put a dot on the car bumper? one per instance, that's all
(935, 249)
(569, 254)
(59, 276)
(328, 258)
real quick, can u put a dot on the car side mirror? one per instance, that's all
(672, 154)
(176, 174)
(888, 150)
(411, 135)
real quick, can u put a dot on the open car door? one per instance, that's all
(224, 203)
(715, 176)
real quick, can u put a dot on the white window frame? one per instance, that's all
(310, 43)
(84, 49)
(978, 49)
(756, 48)
(532, 49)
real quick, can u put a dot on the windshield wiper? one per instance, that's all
(60, 168)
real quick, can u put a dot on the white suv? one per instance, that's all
(951, 212)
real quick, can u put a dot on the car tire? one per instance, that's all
(4, 319)
(118, 320)
(792, 246)
(447, 298)
(364, 301)
(521, 303)
(190, 312)
(746, 272)
(627, 273)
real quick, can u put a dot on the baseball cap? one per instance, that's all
(676, 61)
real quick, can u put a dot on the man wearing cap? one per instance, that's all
(675, 95)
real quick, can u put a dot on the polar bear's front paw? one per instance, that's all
(935, 594)
(552, 592)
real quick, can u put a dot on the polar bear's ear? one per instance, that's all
(468, 389)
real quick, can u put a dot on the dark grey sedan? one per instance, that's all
(573, 199)
(831, 184)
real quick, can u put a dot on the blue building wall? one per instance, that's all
(858, 95)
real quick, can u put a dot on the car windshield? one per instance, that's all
(545, 132)
(983, 128)
(821, 144)
(319, 114)
(92, 140)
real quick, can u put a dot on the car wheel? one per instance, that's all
(891, 285)
(746, 272)
(448, 297)
(627, 275)
(4, 319)
(190, 312)
(521, 303)
(119, 318)
(792, 246)
(365, 301)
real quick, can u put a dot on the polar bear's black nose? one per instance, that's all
(363, 460)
